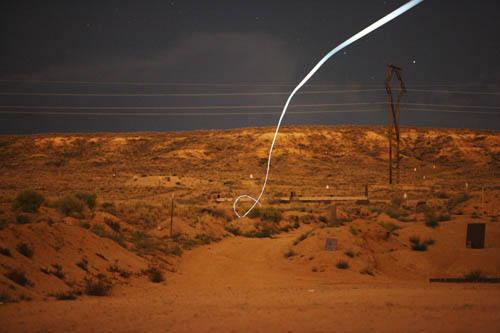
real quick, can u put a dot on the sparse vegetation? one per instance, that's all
(83, 264)
(474, 275)
(84, 224)
(266, 213)
(342, 264)
(417, 245)
(302, 237)
(88, 198)
(290, 253)
(70, 205)
(18, 277)
(58, 271)
(391, 228)
(110, 208)
(25, 250)
(154, 274)
(367, 271)
(98, 286)
(66, 296)
(431, 220)
(112, 224)
(5, 251)
(350, 253)
(28, 201)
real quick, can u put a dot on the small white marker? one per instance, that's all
(327, 187)
(251, 176)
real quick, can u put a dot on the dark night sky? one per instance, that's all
(190, 47)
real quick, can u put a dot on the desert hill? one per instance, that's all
(106, 210)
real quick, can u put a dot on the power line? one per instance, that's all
(458, 92)
(491, 113)
(73, 107)
(311, 92)
(55, 113)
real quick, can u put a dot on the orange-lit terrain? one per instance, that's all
(103, 228)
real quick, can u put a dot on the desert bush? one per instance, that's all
(350, 253)
(83, 264)
(342, 264)
(112, 224)
(290, 253)
(98, 286)
(109, 208)
(390, 227)
(88, 198)
(58, 271)
(28, 201)
(474, 275)
(6, 252)
(154, 274)
(431, 219)
(66, 296)
(25, 250)
(70, 204)
(113, 268)
(18, 277)
(323, 219)
(266, 213)
(234, 230)
(3, 223)
(22, 219)
(5, 297)
(84, 224)
(417, 245)
(260, 233)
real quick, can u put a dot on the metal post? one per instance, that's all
(172, 215)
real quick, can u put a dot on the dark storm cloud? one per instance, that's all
(199, 57)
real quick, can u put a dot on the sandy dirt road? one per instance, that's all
(246, 285)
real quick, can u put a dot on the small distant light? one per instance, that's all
(415, 169)
(327, 187)
(414, 61)
(251, 176)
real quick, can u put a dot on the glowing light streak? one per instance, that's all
(349, 41)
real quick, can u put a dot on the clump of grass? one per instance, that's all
(88, 198)
(70, 205)
(25, 250)
(113, 268)
(83, 264)
(112, 224)
(390, 227)
(99, 230)
(350, 253)
(98, 286)
(5, 251)
(417, 245)
(18, 277)
(109, 208)
(234, 230)
(5, 297)
(84, 225)
(66, 296)
(302, 237)
(431, 220)
(266, 213)
(3, 223)
(367, 271)
(290, 253)
(28, 201)
(154, 274)
(474, 275)
(58, 271)
(342, 264)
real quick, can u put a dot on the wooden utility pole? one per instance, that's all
(394, 116)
